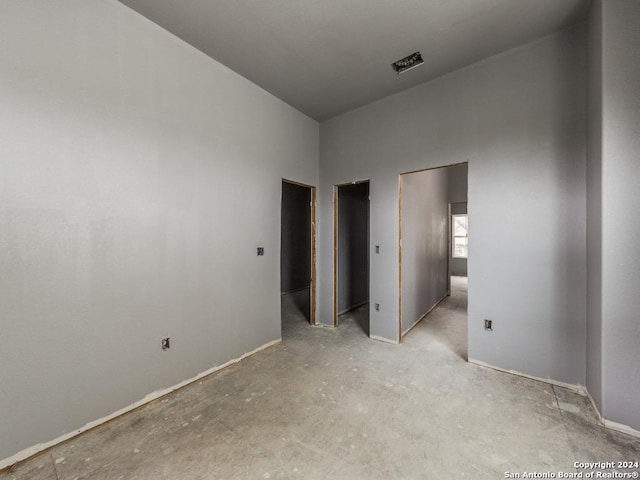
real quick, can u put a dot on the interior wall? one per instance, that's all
(353, 246)
(620, 202)
(519, 119)
(425, 243)
(457, 197)
(594, 207)
(295, 253)
(138, 178)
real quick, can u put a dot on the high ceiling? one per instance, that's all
(325, 57)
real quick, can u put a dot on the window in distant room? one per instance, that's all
(459, 242)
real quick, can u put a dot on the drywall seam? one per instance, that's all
(35, 449)
(580, 389)
(428, 312)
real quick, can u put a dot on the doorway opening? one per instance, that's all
(351, 254)
(298, 253)
(433, 244)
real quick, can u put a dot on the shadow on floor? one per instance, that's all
(296, 306)
(358, 316)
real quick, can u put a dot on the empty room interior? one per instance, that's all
(335, 239)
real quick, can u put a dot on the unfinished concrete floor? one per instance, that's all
(333, 404)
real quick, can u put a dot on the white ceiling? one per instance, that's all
(325, 57)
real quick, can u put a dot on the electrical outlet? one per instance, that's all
(166, 343)
(488, 324)
(377, 248)
(377, 306)
(260, 251)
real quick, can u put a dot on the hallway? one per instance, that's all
(445, 328)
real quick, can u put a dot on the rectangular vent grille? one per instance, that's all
(407, 63)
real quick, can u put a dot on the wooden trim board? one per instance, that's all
(313, 292)
(400, 259)
(335, 255)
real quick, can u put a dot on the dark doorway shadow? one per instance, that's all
(357, 318)
(351, 254)
(296, 251)
(301, 301)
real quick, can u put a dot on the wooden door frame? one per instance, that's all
(400, 258)
(449, 247)
(313, 285)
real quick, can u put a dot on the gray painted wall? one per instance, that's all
(457, 196)
(295, 252)
(122, 146)
(594, 208)
(138, 177)
(425, 242)
(353, 246)
(519, 119)
(620, 204)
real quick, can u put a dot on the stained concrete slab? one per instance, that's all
(334, 404)
(40, 467)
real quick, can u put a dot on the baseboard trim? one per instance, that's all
(425, 314)
(41, 447)
(619, 427)
(580, 389)
(384, 339)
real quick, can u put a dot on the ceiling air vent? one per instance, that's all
(407, 63)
